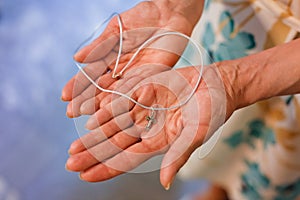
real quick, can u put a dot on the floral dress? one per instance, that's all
(258, 153)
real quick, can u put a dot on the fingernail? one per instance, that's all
(70, 150)
(78, 56)
(80, 177)
(62, 98)
(66, 167)
(168, 186)
(69, 114)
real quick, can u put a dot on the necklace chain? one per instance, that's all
(115, 75)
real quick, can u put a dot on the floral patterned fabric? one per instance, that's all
(258, 153)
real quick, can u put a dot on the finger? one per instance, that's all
(100, 134)
(123, 86)
(117, 107)
(73, 109)
(87, 141)
(123, 162)
(95, 69)
(105, 81)
(101, 46)
(99, 101)
(122, 105)
(134, 79)
(92, 105)
(178, 155)
(102, 151)
(131, 79)
(79, 82)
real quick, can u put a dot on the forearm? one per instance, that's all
(270, 73)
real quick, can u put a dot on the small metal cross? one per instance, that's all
(151, 120)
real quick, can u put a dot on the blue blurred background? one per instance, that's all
(37, 40)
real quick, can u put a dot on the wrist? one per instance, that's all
(190, 10)
(228, 73)
(238, 82)
(260, 76)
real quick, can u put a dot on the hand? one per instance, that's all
(119, 141)
(140, 23)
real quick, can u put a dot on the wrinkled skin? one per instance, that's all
(118, 141)
(139, 24)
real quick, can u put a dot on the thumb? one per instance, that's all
(177, 156)
(100, 46)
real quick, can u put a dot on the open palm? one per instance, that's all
(119, 141)
(139, 24)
